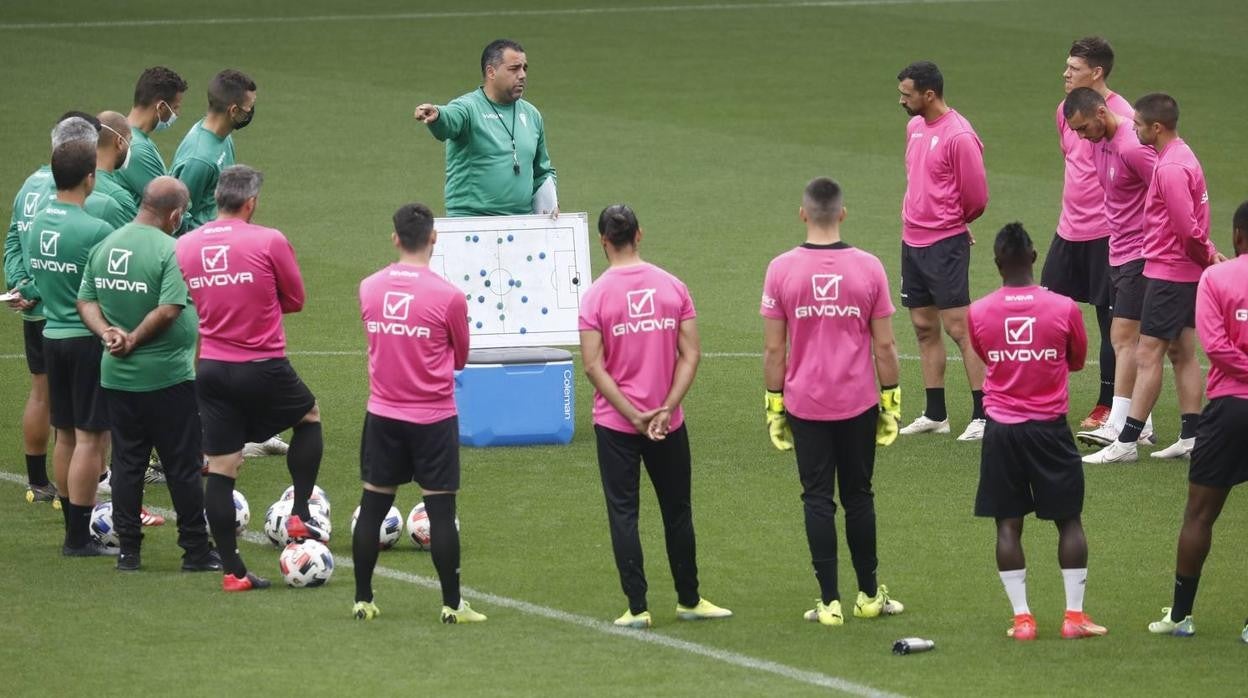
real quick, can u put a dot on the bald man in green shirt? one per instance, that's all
(496, 159)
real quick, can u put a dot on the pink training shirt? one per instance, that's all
(1030, 340)
(242, 277)
(827, 297)
(638, 310)
(946, 185)
(1124, 167)
(1083, 214)
(417, 328)
(1222, 324)
(1176, 217)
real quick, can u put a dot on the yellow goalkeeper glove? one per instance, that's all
(890, 416)
(778, 422)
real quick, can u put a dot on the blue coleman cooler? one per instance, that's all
(516, 397)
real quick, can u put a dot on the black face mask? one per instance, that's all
(247, 117)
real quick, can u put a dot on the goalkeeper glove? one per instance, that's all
(890, 416)
(778, 422)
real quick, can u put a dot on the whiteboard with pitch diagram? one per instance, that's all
(523, 276)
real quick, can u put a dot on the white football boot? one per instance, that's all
(923, 425)
(1115, 452)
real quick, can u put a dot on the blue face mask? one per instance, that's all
(162, 125)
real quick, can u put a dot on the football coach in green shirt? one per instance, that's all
(133, 297)
(496, 159)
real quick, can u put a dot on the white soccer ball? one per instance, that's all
(275, 522)
(102, 529)
(306, 564)
(391, 527)
(318, 500)
(418, 526)
(242, 513)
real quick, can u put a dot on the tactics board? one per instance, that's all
(523, 276)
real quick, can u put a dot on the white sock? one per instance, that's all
(1075, 580)
(1015, 582)
(1118, 412)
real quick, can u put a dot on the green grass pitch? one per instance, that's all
(708, 119)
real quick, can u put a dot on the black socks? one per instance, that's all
(365, 543)
(1188, 428)
(935, 409)
(219, 506)
(303, 460)
(444, 544)
(37, 470)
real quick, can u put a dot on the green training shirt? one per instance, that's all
(198, 163)
(105, 207)
(108, 184)
(130, 273)
(145, 165)
(38, 189)
(55, 247)
(480, 170)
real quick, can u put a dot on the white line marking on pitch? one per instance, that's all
(743, 661)
(399, 16)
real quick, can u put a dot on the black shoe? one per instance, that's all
(208, 562)
(128, 562)
(91, 549)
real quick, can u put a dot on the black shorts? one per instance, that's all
(1218, 458)
(248, 401)
(1079, 270)
(1129, 287)
(1169, 307)
(937, 274)
(32, 333)
(74, 383)
(1032, 466)
(394, 452)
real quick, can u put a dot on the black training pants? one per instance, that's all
(667, 463)
(168, 420)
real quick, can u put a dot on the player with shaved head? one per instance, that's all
(116, 207)
(827, 338)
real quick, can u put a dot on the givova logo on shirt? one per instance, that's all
(826, 289)
(396, 306)
(119, 265)
(30, 205)
(641, 315)
(1020, 332)
(215, 261)
(49, 241)
(1241, 314)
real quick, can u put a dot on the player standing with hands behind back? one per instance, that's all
(829, 303)
(1030, 339)
(946, 189)
(640, 348)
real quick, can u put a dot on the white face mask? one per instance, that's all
(162, 125)
(125, 163)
